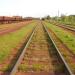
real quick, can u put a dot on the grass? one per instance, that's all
(34, 67)
(24, 67)
(11, 40)
(38, 67)
(67, 24)
(66, 37)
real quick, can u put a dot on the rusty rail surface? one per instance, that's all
(15, 68)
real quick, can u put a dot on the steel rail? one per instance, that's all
(67, 27)
(14, 69)
(61, 56)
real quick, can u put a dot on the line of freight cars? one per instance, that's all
(6, 19)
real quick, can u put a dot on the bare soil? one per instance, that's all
(7, 64)
(7, 28)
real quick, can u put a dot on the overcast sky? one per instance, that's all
(36, 8)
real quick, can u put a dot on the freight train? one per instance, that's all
(6, 19)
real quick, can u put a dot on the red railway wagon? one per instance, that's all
(17, 18)
(6, 19)
(28, 18)
(1, 19)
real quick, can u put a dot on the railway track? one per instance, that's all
(67, 27)
(40, 56)
(72, 29)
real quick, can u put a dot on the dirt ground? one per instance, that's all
(7, 28)
(9, 62)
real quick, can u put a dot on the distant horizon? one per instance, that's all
(36, 8)
(37, 17)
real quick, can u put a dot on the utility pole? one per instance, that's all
(58, 13)
(58, 16)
